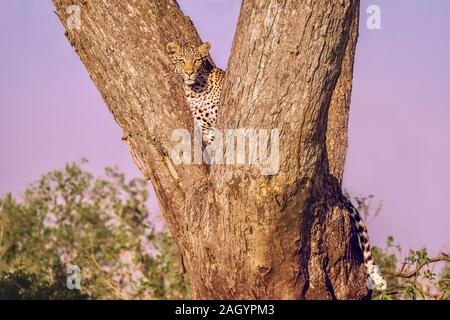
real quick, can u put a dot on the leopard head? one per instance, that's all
(188, 61)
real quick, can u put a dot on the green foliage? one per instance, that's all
(101, 225)
(69, 217)
(412, 277)
(444, 283)
(21, 284)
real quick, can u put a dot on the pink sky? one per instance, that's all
(51, 113)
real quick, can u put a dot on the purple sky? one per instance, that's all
(51, 113)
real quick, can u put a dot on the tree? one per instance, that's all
(242, 234)
(100, 225)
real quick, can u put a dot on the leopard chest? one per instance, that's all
(203, 105)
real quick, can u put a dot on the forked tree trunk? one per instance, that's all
(242, 234)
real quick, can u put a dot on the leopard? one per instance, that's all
(202, 83)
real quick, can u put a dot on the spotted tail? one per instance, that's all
(375, 279)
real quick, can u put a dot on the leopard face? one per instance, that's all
(188, 62)
(203, 83)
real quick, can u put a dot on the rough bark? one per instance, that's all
(243, 235)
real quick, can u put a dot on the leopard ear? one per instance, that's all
(172, 48)
(204, 49)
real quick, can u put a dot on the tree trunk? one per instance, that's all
(243, 235)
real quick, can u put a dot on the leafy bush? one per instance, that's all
(101, 225)
(412, 277)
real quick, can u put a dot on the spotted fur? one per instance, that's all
(375, 280)
(203, 84)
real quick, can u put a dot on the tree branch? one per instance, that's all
(440, 258)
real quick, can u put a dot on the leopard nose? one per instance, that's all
(189, 72)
